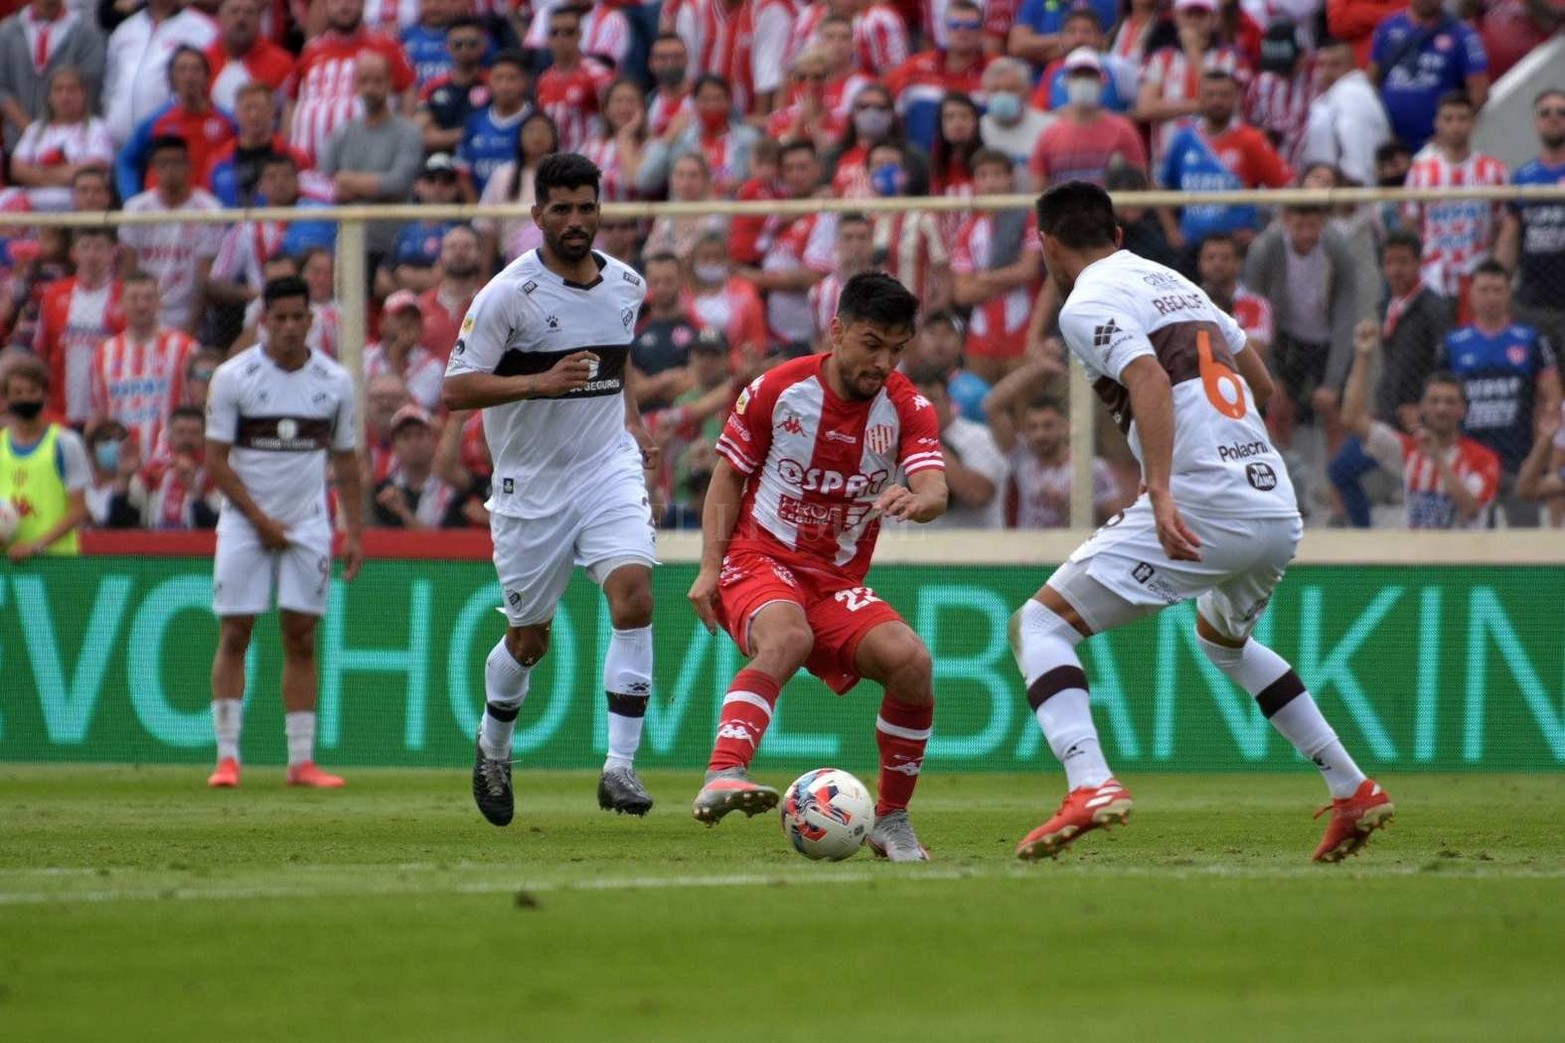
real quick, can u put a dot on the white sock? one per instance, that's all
(1045, 649)
(505, 689)
(627, 681)
(299, 726)
(227, 720)
(1290, 708)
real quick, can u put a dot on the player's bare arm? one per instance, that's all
(1152, 404)
(481, 390)
(350, 493)
(650, 450)
(1355, 412)
(271, 532)
(717, 527)
(1253, 369)
(1537, 480)
(923, 499)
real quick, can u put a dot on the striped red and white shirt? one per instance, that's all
(322, 85)
(816, 463)
(1280, 107)
(140, 382)
(747, 44)
(245, 249)
(605, 31)
(880, 39)
(1426, 504)
(72, 322)
(1457, 233)
(46, 144)
(997, 327)
(823, 298)
(912, 246)
(1178, 80)
(662, 109)
(1253, 313)
(604, 152)
(572, 99)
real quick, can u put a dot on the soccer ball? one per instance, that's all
(827, 814)
(10, 518)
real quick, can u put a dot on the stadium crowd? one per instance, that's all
(1414, 344)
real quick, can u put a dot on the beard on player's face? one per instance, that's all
(573, 244)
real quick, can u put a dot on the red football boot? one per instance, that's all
(307, 774)
(1353, 819)
(226, 776)
(1084, 809)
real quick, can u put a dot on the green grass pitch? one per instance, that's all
(137, 905)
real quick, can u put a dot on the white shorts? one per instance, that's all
(534, 556)
(1122, 572)
(245, 574)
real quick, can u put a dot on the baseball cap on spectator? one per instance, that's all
(710, 341)
(1280, 48)
(438, 164)
(404, 300)
(1196, 5)
(1083, 59)
(409, 414)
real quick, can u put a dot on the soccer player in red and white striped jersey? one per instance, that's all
(808, 465)
(321, 91)
(1458, 234)
(76, 315)
(569, 89)
(138, 376)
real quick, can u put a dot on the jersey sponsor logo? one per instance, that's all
(1261, 476)
(630, 277)
(528, 287)
(806, 516)
(1142, 572)
(468, 323)
(1103, 336)
(841, 436)
(283, 434)
(1147, 576)
(608, 380)
(743, 402)
(628, 317)
(553, 321)
(1243, 450)
(824, 480)
(879, 438)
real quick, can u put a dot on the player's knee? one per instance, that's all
(786, 647)
(233, 635)
(1223, 653)
(527, 645)
(632, 608)
(299, 640)
(912, 680)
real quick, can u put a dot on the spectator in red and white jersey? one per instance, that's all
(1217, 263)
(1136, 37)
(237, 276)
(189, 115)
(67, 139)
(605, 31)
(1033, 431)
(721, 299)
(445, 303)
(323, 90)
(796, 253)
(908, 243)
(919, 84)
(808, 114)
(995, 266)
(746, 42)
(671, 105)
(1458, 234)
(569, 89)
(176, 492)
(957, 141)
(241, 55)
(874, 121)
(317, 267)
(854, 253)
(508, 238)
(399, 351)
(135, 76)
(1278, 98)
(1011, 125)
(689, 181)
(1171, 81)
(78, 314)
(844, 79)
(445, 102)
(36, 42)
(750, 234)
(138, 375)
(178, 254)
(880, 35)
(384, 396)
(619, 140)
(718, 134)
(1086, 141)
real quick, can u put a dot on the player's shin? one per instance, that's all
(505, 689)
(747, 710)
(1045, 649)
(901, 732)
(1288, 705)
(627, 682)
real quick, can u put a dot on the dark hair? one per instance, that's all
(1081, 13)
(185, 48)
(108, 232)
(1492, 267)
(1216, 73)
(662, 37)
(852, 217)
(567, 170)
(794, 145)
(1390, 150)
(1218, 237)
(188, 413)
(164, 142)
(1327, 42)
(1047, 402)
(1445, 376)
(570, 9)
(1125, 179)
(945, 156)
(988, 157)
(927, 374)
(1454, 98)
(661, 257)
(284, 288)
(712, 79)
(510, 56)
(279, 159)
(465, 21)
(29, 367)
(516, 174)
(1405, 240)
(1077, 213)
(894, 134)
(971, 5)
(1547, 92)
(877, 298)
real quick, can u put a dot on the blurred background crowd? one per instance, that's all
(1413, 344)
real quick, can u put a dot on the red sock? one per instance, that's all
(901, 732)
(747, 710)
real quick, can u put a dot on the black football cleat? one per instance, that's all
(620, 791)
(492, 787)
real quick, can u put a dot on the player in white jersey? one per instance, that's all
(543, 353)
(276, 414)
(1217, 521)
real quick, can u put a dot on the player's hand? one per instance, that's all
(273, 535)
(1547, 425)
(1366, 337)
(392, 500)
(898, 502)
(21, 550)
(703, 598)
(1179, 543)
(352, 555)
(651, 456)
(572, 373)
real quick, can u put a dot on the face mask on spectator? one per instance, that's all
(711, 274)
(872, 123)
(1080, 90)
(887, 180)
(107, 453)
(671, 77)
(1005, 106)
(714, 122)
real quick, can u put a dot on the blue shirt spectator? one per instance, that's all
(1503, 372)
(1419, 54)
(488, 142)
(1540, 250)
(1045, 17)
(418, 244)
(425, 46)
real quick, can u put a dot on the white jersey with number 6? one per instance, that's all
(1124, 307)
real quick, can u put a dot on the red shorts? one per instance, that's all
(839, 611)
